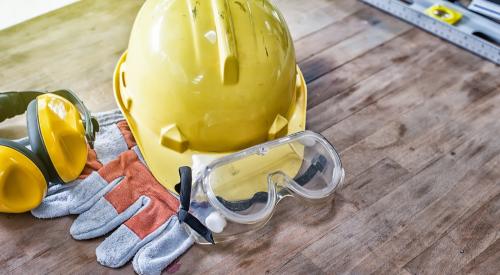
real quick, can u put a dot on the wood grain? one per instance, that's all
(416, 121)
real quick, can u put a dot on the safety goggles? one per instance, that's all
(238, 193)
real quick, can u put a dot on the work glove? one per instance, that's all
(124, 194)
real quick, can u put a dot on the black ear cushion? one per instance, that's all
(23, 150)
(37, 144)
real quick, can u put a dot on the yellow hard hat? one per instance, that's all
(208, 77)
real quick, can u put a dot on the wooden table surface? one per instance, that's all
(415, 119)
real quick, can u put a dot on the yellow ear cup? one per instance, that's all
(22, 184)
(63, 135)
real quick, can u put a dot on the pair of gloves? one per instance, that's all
(116, 190)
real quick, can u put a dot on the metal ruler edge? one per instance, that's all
(444, 30)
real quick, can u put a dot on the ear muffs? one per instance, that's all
(23, 178)
(57, 136)
(58, 140)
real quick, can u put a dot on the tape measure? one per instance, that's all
(454, 23)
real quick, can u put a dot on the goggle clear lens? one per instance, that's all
(245, 186)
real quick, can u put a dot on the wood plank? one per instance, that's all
(341, 80)
(364, 190)
(486, 263)
(352, 47)
(398, 81)
(367, 91)
(34, 246)
(331, 35)
(476, 188)
(415, 99)
(416, 143)
(306, 17)
(342, 248)
(472, 235)
(472, 123)
(369, 187)
(299, 265)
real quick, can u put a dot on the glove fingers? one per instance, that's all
(53, 206)
(89, 191)
(73, 198)
(55, 189)
(123, 244)
(102, 218)
(110, 143)
(156, 255)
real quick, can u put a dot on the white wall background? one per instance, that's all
(16, 11)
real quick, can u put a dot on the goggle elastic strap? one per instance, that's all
(318, 165)
(185, 199)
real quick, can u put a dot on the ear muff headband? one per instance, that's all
(15, 103)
